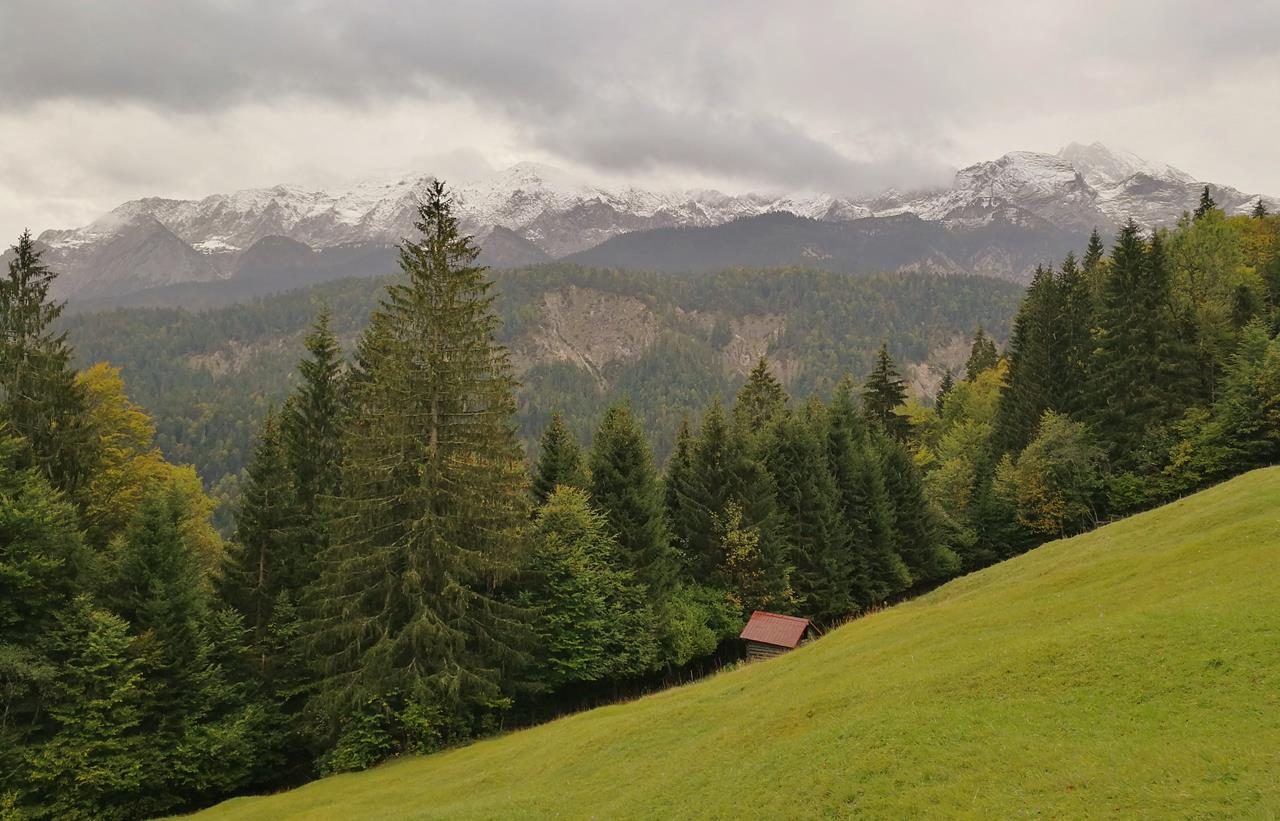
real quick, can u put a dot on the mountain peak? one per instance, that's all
(1104, 166)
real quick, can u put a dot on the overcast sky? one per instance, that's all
(103, 101)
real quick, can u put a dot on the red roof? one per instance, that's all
(771, 628)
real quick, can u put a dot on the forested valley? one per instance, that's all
(401, 577)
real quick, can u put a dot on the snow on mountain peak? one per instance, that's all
(1104, 167)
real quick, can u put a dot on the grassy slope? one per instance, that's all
(1134, 671)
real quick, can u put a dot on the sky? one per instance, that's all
(101, 102)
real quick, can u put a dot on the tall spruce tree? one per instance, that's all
(626, 489)
(434, 499)
(878, 572)
(311, 437)
(1032, 345)
(883, 393)
(982, 355)
(808, 503)
(916, 538)
(944, 387)
(1093, 254)
(1073, 342)
(39, 395)
(559, 461)
(760, 400)
(1139, 367)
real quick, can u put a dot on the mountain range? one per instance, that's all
(998, 218)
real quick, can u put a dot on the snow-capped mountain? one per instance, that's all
(535, 212)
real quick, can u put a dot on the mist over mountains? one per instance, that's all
(999, 218)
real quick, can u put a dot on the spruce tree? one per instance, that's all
(38, 393)
(1259, 209)
(915, 533)
(676, 489)
(883, 393)
(944, 387)
(808, 504)
(1206, 205)
(268, 555)
(877, 570)
(982, 355)
(1093, 254)
(433, 500)
(1073, 342)
(559, 461)
(1028, 390)
(626, 489)
(310, 435)
(760, 400)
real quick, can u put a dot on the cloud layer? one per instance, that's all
(102, 101)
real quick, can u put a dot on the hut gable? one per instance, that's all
(771, 634)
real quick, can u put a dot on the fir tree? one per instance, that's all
(1259, 209)
(433, 499)
(626, 489)
(883, 393)
(915, 533)
(1206, 205)
(1093, 254)
(944, 387)
(559, 461)
(38, 393)
(982, 355)
(1032, 348)
(760, 400)
(1073, 342)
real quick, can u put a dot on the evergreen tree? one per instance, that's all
(877, 571)
(1207, 203)
(1138, 369)
(1093, 254)
(593, 621)
(310, 434)
(625, 488)
(1259, 209)
(944, 387)
(760, 400)
(883, 393)
(677, 487)
(915, 533)
(1028, 389)
(808, 504)
(1072, 340)
(38, 393)
(982, 355)
(559, 461)
(723, 469)
(433, 501)
(265, 560)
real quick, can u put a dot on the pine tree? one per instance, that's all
(625, 488)
(1206, 205)
(982, 355)
(1259, 209)
(676, 489)
(944, 387)
(883, 393)
(1073, 342)
(559, 461)
(310, 435)
(38, 393)
(877, 572)
(433, 499)
(760, 400)
(808, 504)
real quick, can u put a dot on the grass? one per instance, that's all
(1130, 672)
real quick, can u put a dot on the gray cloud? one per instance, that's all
(843, 96)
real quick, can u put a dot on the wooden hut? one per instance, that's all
(771, 634)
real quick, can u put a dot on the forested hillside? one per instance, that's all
(401, 579)
(581, 339)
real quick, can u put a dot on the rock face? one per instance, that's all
(985, 222)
